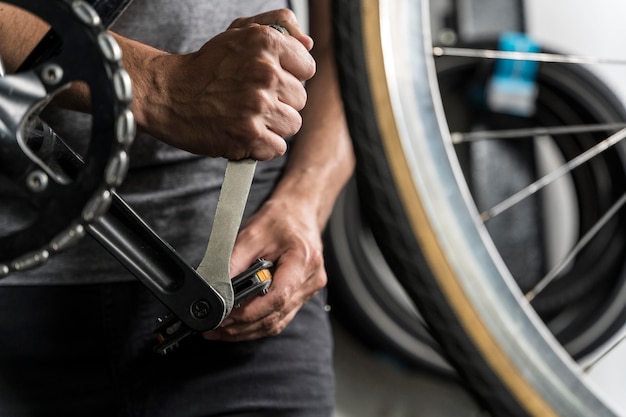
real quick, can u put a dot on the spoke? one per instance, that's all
(580, 245)
(459, 137)
(617, 339)
(553, 176)
(524, 56)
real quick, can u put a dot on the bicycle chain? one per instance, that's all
(118, 162)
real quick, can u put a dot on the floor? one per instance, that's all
(373, 385)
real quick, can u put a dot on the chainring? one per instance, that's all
(49, 192)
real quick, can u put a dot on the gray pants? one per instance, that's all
(86, 350)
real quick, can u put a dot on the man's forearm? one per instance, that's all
(137, 58)
(321, 159)
(15, 45)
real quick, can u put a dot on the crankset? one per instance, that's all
(50, 192)
(51, 195)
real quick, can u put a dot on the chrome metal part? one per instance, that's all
(67, 238)
(30, 260)
(97, 206)
(125, 128)
(37, 181)
(52, 74)
(123, 86)
(117, 169)
(86, 13)
(109, 47)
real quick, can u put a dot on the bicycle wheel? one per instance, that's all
(518, 355)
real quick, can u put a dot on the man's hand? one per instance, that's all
(236, 97)
(290, 237)
(287, 229)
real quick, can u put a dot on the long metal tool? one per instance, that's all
(215, 266)
(200, 298)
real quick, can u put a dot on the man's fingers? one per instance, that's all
(296, 59)
(283, 17)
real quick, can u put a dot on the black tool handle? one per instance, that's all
(123, 233)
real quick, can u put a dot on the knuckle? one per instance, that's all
(238, 22)
(272, 326)
(285, 15)
(274, 150)
(249, 130)
(257, 101)
(258, 38)
(300, 99)
(315, 259)
(310, 67)
(228, 332)
(264, 72)
(275, 331)
(316, 266)
(266, 36)
(269, 322)
(294, 125)
(280, 300)
(321, 280)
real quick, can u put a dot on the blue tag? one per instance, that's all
(512, 88)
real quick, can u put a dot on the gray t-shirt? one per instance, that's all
(173, 190)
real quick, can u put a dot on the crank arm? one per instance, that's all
(200, 299)
(123, 233)
(254, 281)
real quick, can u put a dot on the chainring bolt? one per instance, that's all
(123, 86)
(125, 128)
(109, 47)
(97, 206)
(52, 74)
(37, 181)
(86, 13)
(30, 260)
(117, 169)
(67, 238)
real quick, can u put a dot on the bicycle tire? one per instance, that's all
(366, 296)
